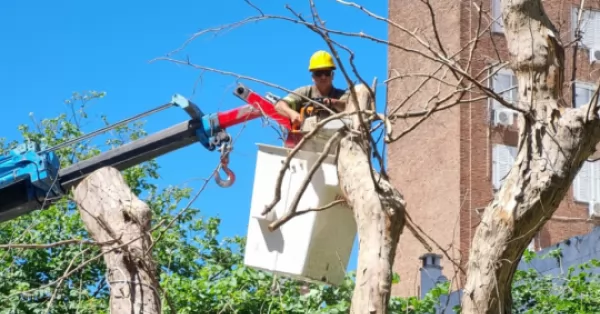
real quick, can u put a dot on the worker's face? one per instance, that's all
(323, 78)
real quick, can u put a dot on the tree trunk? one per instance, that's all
(379, 213)
(110, 210)
(553, 144)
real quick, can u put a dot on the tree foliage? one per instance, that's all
(575, 290)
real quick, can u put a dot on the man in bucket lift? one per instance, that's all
(321, 66)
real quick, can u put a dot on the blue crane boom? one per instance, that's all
(31, 177)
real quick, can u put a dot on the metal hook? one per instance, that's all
(230, 177)
(225, 150)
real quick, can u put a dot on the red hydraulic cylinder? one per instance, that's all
(268, 108)
(256, 107)
(247, 112)
(237, 115)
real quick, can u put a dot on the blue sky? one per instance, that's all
(52, 49)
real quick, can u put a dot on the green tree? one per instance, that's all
(575, 290)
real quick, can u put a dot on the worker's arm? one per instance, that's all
(288, 105)
(284, 108)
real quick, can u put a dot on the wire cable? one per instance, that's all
(107, 128)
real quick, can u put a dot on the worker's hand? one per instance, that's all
(329, 103)
(334, 104)
(295, 117)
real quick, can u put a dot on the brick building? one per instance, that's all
(450, 166)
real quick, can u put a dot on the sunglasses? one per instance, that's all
(322, 73)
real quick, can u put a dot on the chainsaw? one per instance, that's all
(310, 110)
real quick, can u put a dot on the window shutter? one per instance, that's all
(582, 95)
(498, 24)
(503, 160)
(590, 28)
(514, 84)
(506, 85)
(593, 31)
(582, 184)
(501, 83)
(595, 174)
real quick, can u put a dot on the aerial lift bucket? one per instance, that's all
(314, 246)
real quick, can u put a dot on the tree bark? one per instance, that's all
(110, 210)
(379, 211)
(553, 144)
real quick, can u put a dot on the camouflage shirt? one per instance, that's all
(310, 91)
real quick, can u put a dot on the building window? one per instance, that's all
(503, 158)
(496, 12)
(583, 93)
(504, 83)
(586, 186)
(589, 27)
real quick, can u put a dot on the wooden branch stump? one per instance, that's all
(110, 210)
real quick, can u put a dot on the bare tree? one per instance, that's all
(113, 213)
(553, 144)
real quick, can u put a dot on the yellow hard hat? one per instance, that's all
(321, 60)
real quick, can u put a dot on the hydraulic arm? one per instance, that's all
(31, 177)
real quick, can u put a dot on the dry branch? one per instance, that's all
(67, 274)
(110, 210)
(51, 245)
(305, 139)
(293, 207)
